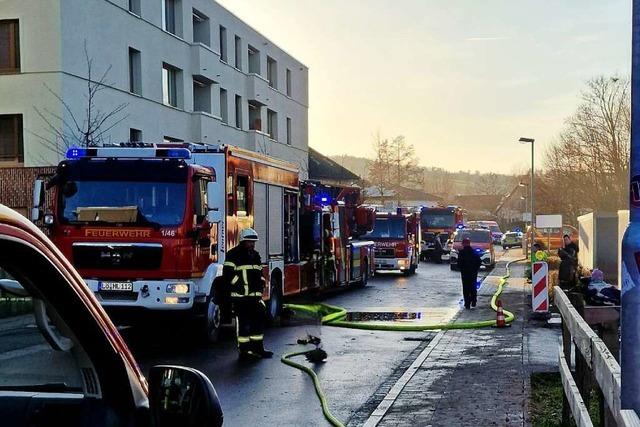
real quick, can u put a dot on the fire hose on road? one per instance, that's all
(335, 316)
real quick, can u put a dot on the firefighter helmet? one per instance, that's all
(248, 234)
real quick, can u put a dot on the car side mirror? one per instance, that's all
(180, 396)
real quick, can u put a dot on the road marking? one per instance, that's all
(384, 406)
(378, 414)
(21, 352)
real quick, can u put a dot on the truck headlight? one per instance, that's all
(178, 288)
(403, 263)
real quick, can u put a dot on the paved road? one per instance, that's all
(361, 368)
(361, 364)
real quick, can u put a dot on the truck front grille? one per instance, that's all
(117, 296)
(117, 256)
(385, 253)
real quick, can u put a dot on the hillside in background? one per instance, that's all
(442, 182)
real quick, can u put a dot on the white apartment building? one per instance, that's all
(186, 70)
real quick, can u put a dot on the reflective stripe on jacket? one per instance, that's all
(242, 272)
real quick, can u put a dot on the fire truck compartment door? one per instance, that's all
(260, 213)
(276, 220)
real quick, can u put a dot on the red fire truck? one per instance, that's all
(439, 222)
(148, 227)
(397, 239)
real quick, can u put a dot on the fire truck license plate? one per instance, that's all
(116, 286)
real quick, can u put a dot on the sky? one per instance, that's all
(462, 80)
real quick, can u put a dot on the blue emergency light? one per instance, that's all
(323, 199)
(76, 153)
(129, 153)
(174, 153)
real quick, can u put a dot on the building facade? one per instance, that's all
(172, 70)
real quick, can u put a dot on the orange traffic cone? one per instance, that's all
(500, 322)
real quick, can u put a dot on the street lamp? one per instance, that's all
(524, 140)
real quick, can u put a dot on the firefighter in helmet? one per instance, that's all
(242, 273)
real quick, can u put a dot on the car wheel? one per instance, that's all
(274, 305)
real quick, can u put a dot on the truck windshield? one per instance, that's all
(437, 220)
(160, 203)
(389, 228)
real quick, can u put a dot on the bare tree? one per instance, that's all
(380, 167)
(489, 183)
(395, 165)
(589, 164)
(68, 129)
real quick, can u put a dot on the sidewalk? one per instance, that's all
(476, 377)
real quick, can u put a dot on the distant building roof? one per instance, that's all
(323, 168)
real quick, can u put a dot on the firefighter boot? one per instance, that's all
(259, 350)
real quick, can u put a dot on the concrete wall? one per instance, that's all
(53, 34)
(599, 243)
(623, 222)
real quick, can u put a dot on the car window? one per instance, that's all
(27, 359)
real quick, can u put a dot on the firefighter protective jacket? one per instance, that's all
(242, 272)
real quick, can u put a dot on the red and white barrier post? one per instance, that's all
(540, 294)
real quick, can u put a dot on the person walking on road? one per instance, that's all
(469, 264)
(242, 273)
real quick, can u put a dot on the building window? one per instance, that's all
(135, 72)
(170, 85)
(201, 96)
(238, 52)
(255, 116)
(11, 145)
(272, 72)
(224, 111)
(9, 47)
(171, 17)
(288, 131)
(272, 124)
(170, 140)
(288, 78)
(201, 28)
(134, 7)
(254, 60)
(238, 111)
(223, 43)
(135, 135)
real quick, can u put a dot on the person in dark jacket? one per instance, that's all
(570, 247)
(567, 270)
(469, 263)
(242, 272)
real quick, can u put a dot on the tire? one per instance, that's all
(209, 321)
(365, 276)
(412, 269)
(274, 305)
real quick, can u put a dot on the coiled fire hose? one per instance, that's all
(335, 316)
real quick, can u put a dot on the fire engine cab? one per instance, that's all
(148, 227)
(397, 241)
